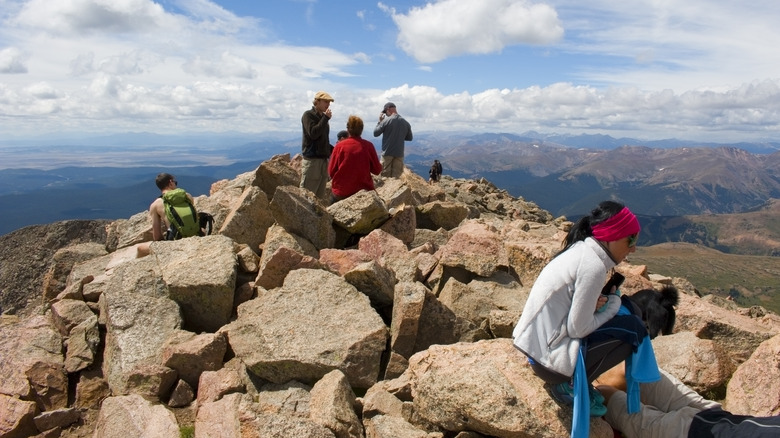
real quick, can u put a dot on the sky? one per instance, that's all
(648, 69)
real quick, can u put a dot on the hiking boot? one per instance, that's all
(595, 394)
(597, 408)
(563, 393)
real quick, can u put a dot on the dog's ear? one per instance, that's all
(669, 296)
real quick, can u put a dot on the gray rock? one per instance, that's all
(498, 394)
(82, 345)
(315, 323)
(199, 273)
(441, 214)
(62, 262)
(332, 405)
(182, 395)
(298, 211)
(274, 172)
(139, 319)
(151, 381)
(18, 417)
(408, 302)
(57, 418)
(360, 213)
(132, 415)
(23, 344)
(249, 220)
(190, 354)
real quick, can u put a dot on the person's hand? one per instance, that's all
(381, 116)
(601, 303)
(328, 113)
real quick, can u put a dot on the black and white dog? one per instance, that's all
(657, 309)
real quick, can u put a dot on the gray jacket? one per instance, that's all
(396, 130)
(561, 308)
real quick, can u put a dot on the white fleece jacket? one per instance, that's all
(561, 308)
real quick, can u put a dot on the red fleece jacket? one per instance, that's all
(351, 165)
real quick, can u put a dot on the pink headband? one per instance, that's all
(617, 227)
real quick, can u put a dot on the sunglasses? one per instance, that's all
(632, 240)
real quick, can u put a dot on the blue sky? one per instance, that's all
(698, 70)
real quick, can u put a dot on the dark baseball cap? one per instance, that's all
(388, 105)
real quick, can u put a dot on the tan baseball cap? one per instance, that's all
(321, 95)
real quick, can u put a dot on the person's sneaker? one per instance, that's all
(563, 393)
(595, 394)
(597, 408)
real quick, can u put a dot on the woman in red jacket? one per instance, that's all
(352, 163)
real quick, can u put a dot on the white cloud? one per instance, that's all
(227, 65)
(66, 17)
(362, 57)
(82, 64)
(12, 61)
(448, 28)
(42, 91)
(134, 62)
(119, 65)
(688, 45)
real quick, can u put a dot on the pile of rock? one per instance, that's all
(387, 314)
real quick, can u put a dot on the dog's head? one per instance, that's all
(657, 309)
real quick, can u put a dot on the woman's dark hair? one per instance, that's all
(584, 226)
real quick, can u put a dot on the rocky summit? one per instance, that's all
(385, 315)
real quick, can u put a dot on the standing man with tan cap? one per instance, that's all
(394, 130)
(316, 147)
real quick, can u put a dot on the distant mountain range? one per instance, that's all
(662, 180)
(653, 181)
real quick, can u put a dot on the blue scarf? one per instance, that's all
(580, 422)
(641, 367)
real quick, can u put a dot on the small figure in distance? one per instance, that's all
(315, 145)
(353, 162)
(435, 172)
(394, 130)
(160, 223)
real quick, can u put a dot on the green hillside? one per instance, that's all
(749, 280)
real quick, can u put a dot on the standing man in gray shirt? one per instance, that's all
(394, 130)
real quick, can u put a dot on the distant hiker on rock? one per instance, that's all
(435, 172)
(395, 130)
(174, 215)
(353, 162)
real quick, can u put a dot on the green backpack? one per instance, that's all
(181, 215)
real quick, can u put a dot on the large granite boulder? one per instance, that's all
(315, 323)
